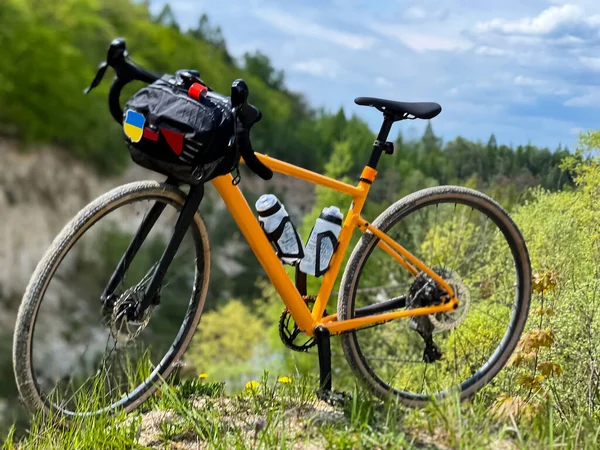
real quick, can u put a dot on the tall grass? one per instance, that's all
(272, 414)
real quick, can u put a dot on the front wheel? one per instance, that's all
(469, 240)
(71, 353)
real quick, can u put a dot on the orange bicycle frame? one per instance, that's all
(306, 319)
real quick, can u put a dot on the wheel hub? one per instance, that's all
(425, 292)
(449, 320)
(125, 326)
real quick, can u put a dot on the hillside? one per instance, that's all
(546, 397)
(61, 149)
(60, 46)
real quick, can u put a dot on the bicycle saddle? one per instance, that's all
(421, 110)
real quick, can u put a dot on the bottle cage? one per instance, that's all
(278, 232)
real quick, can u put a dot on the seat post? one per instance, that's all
(379, 145)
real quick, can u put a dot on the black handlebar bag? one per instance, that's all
(171, 133)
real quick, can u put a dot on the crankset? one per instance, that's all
(289, 333)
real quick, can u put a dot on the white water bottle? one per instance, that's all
(322, 242)
(280, 230)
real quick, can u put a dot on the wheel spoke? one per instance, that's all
(460, 239)
(102, 366)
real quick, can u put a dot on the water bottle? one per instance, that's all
(280, 230)
(322, 242)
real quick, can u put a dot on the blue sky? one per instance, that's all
(526, 71)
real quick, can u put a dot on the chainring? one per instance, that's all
(289, 333)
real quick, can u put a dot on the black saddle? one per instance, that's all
(421, 110)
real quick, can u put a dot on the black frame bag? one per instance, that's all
(169, 132)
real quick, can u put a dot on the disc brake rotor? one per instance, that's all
(445, 321)
(122, 328)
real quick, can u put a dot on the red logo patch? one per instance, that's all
(175, 140)
(149, 134)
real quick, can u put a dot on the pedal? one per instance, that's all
(333, 398)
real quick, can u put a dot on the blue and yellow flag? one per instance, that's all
(133, 125)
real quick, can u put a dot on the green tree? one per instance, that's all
(430, 153)
(166, 17)
(259, 65)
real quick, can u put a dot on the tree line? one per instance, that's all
(51, 51)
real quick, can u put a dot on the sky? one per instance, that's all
(527, 71)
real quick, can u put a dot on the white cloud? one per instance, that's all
(544, 23)
(299, 27)
(384, 82)
(430, 42)
(415, 13)
(419, 14)
(591, 98)
(245, 47)
(576, 130)
(482, 70)
(492, 51)
(552, 20)
(558, 40)
(423, 42)
(319, 67)
(520, 80)
(590, 62)
(473, 109)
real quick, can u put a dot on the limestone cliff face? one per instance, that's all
(41, 191)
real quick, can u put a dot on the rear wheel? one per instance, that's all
(471, 242)
(72, 355)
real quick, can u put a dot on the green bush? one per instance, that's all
(558, 355)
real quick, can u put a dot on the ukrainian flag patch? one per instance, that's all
(133, 125)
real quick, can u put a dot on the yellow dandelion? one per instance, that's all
(285, 380)
(252, 385)
(203, 375)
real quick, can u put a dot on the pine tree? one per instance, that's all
(166, 17)
(430, 153)
(492, 144)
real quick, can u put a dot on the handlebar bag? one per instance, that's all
(173, 134)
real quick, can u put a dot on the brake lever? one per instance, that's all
(239, 93)
(233, 138)
(117, 52)
(98, 78)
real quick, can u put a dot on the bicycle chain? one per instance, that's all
(288, 336)
(288, 341)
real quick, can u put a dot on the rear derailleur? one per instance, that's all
(424, 292)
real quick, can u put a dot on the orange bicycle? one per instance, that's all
(449, 260)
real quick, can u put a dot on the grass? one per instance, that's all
(197, 414)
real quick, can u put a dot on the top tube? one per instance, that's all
(303, 174)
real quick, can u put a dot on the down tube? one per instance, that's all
(260, 245)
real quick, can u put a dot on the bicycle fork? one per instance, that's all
(186, 215)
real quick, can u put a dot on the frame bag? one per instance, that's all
(171, 133)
